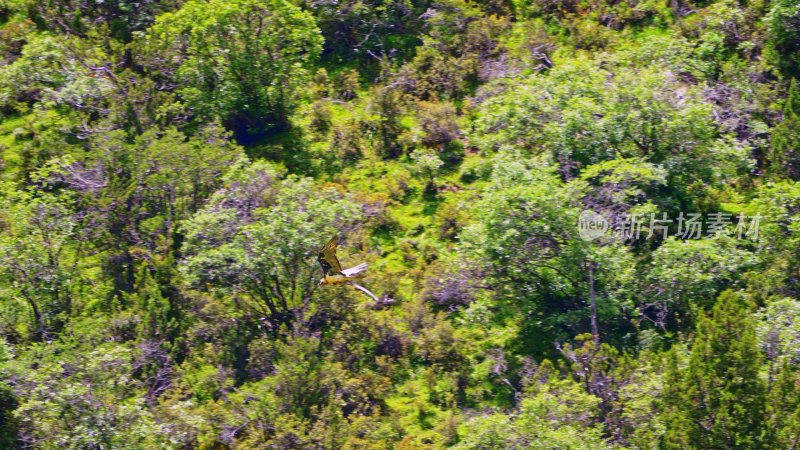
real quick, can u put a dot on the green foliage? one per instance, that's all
(610, 114)
(32, 73)
(778, 331)
(155, 321)
(135, 191)
(784, 157)
(8, 423)
(242, 61)
(41, 249)
(783, 408)
(428, 164)
(553, 412)
(525, 237)
(783, 20)
(122, 17)
(8, 403)
(461, 47)
(83, 398)
(360, 30)
(258, 236)
(778, 239)
(159, 289)
(718, 400)
(692, 271)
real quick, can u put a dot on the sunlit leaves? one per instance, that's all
(584, 112)
(260, 234)
(687, 275)
(39, 253)
(242, 60)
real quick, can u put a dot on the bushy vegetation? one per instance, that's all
(169, 170)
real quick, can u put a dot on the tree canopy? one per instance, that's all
(581, 222)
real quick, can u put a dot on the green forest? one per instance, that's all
(581, 220)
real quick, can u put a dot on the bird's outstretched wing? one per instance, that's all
(355, 271)
(364, 290)
(327, 257)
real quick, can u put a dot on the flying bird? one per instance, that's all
(332, 272)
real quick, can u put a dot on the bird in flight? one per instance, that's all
(332, 272)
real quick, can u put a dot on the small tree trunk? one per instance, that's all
(38, 319)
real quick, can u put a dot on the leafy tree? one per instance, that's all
(79, 17)
(718, 400)
(8, 423)
(428, 162)
(462, 45)
(431, 73)
(40, 251)
(365, 30)
(559, 410)
(34, 72)
(784, 155)
(778, 240)
(157, 318)
(74, 397)
(784, 23)
(244, 61)
(525, 241)
(133, 194)
(553, 411)
(390, 107)
(617, 188)
(685, 277)
(258, 236)
(778, 332)
(783, 408)
(8, 402)
(574, 116)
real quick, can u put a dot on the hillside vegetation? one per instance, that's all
(170, 169)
